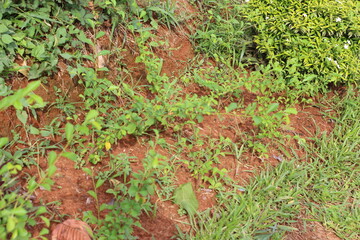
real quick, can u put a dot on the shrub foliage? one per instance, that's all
(314, 42)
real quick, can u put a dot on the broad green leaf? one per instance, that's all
(32, 184)
(99, 183)
(44, 231)
(257, 120)
(92, 114)
(83, 130)
(19, 94)
(103, 52)
(46, 221)
(131, 128)
(92, 193)
(39, 52)
(70, 155)
(38, 100)
(45, 133)
(6, 38)
(51, 158)
(100, 34)
(232, 106)
(46, 186)
(88, 171)
(11, 223)
(51, 170)
(19, 211)
(34, 130)
(22, 116)
(66, 56)
(90, 22)
(3, 28)
(272, 107)
(41, 210)
(81, 36)
(185, 197)
(155, 162)
(18, 105)
(96, 125)
(19, 36)
(291, 111)
(69, 131)
(3, 141)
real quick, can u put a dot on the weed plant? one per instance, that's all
(224, 34)
(326, 187)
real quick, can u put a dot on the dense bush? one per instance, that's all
(312, 43)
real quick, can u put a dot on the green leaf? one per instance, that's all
(46, 186)
(19, 36)
(272, 107)
(51, 158)
(18, 95)
(7, 39)
(232, 106)
(90, 22)
(18, 105)
(41, 210)
(69, 131)
(3, 28)
(45, 133)
(103, 52)
(88, 171)
(34, 130)
(96, 125)
(66, 56)
(44, 231)
(3, 141)
(185, 197)
(11, 223)
(32, 184)
(100, 34)
(51, 170)
(257, 120)
(99, 183)
(46, 221)
(92, 114)
(92, 193)
(19, 211)
(291, 111)
(39, 52)
(131, 128)
(81, 36)
(70, 155)
(22, 116)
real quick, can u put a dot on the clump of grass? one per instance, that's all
(326, 186)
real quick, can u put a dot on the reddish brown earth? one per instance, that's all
(71, 185)
(311, 231)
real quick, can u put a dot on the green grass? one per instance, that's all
(326, 187)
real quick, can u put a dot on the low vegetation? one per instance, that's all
(259, 63)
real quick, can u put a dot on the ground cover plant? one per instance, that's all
(180, 119)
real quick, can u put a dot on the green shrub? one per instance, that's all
(312, 43)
